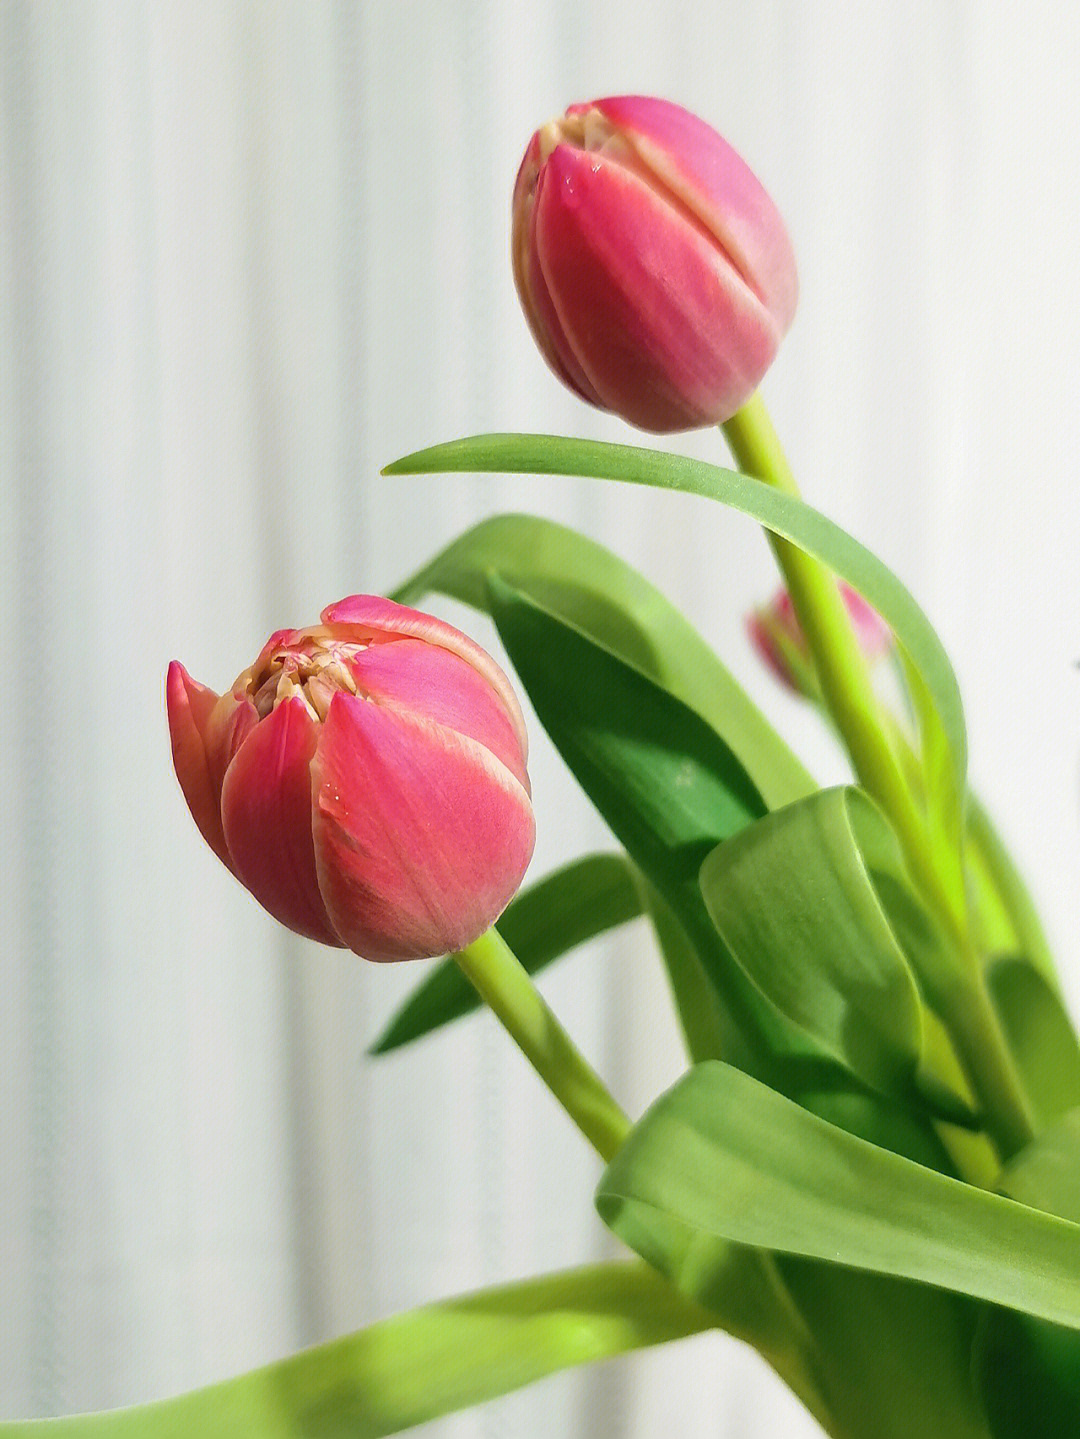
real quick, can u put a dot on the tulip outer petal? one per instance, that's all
(190, 706)
(421, 835)
(266, 818)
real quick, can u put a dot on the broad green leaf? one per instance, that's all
(1040, 1034)
(671, 790)
(729, 1158)
(417, 1366)
(592, 589)
(1046, 1175)
(695, 999)
(1028, 1371)
(670, 778)
(935, 690)
(1028, 1375)
(793, 902)
(564, 909)
(665, 782)
(895, 1356)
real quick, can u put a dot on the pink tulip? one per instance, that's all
(364, 779)
(655, 272)
(778, 638)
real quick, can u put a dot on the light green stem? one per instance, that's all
(502, 982)
(841, 668)
(849, 696)
(494, 971)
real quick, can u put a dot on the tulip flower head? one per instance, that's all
(777, 636)
(655, 273)
(365, 779)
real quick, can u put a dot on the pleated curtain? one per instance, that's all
(251, 253)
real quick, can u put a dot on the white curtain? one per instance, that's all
(251, 252)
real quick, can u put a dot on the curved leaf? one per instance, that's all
(793, 902)
(590, 588)
(1028, 1371)
(1028, 1376)
(665, 782)
(729, 1158)
(695, 998)
(564, 909)
(1011, 890)
(934, 685)
(417, 1366)
(1040, 1034)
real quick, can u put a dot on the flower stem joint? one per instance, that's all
(365, 779)
(655, 272)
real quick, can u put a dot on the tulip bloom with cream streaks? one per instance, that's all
(365, 779)
(655, 272)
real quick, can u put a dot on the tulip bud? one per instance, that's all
(776, 635)
(364, 779)
(655, 272)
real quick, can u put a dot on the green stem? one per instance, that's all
(841, 668)
(492, 968)
(849, 696)
(502, 982)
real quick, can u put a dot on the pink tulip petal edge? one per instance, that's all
(365, 779)
(654, 271)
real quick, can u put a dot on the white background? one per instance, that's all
(250, 252)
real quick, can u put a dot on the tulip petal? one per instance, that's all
(717, 185)
(421, 835)
(540, 313)
(425, 680)
(374, 619)
(190, 706)
(667, 331)
(266, 820)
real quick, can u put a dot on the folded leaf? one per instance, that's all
(416, 1366)
(1028, 1371)
(1040, 1034)
(793, 902)
(665, 782)
(605, 598)
(583, 899)
(935, 692)
(695, 998)
(725, 1156)
(1011, 891)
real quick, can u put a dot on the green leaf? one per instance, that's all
(729, 1158)
(1028, 1371)
(564, 909)
(1028, 1375)
(792, 900)
(416, 1366)
(895, 1356)
(584, 584)
(935, 691)
(1013, 894)
(1040, 1034)
(695, 999)
(663, 779)
(1046, 1175)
